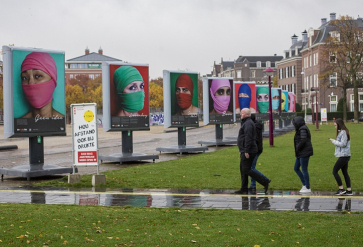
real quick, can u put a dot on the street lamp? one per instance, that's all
(269, 72)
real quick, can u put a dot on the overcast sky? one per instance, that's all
(166, 34)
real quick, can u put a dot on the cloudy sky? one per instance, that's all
(166, 34)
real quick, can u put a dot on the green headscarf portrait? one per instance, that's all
(123, 76)
(262, 105)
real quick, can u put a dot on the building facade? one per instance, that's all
(89, 65)
(246, 68)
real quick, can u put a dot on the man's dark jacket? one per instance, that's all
(259, 138)
(247, 137)
(302, 139)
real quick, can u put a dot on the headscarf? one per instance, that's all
(287, 101)
(292, 102)
(38, 95)
(184, 100)
(221, 103)
(283, 101)
(275, 102)
(244, 102)
(262, 105)
(123, 76)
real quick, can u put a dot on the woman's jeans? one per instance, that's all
(342, 163)
(303, 162)
(253, 167)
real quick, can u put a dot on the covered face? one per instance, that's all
(38, 78)
(184, 91)
(283, 101)
(275, 98)
(244, 96)
(130, 88)
(262, 99)
(220, 91)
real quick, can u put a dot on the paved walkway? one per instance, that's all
(187, 199)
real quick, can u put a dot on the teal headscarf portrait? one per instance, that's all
(132, 100)
(262, 99)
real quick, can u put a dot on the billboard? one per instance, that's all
(218, 100)
(125, 91)
(285, 104)
(275, 100)
(292, 100)
(180, 99)
(34, 92)
(262, 97)
(244, 97)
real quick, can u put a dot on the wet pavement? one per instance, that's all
(187, 199)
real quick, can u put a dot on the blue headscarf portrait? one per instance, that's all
(275, 102)
(244, 102)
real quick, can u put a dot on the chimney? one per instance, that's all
(304, 36)
(332, 16)
(294, 39)
(86, 51)
(100, 51)
(323, 21)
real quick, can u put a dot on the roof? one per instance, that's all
(253, 59)
(227, 64)
(93, 56)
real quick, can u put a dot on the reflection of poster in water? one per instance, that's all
(262, 97)
(245, 97)
(218, 100)
(180, 99)
(125, 96)
(34, 92)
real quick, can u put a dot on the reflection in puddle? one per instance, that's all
(166, 198)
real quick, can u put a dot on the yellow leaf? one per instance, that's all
(256, 245)
(28, 241)
(195, 224)
(65, 242)
(170, 234)
(193, 241)
(110, 237)
(238, 229)
(21, 236)
(40, 235)
(128, 230)
(20, 226)
(11, 225)
(197, 227)
(61, 237)
(272, 240)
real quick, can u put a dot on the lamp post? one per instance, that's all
(269, 72)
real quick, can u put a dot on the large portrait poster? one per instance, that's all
(292, 100)
(275, 100)
(34, 92)
(244, 97)
(262, 95)
(284, 101)
(125, 96)
(180, 99)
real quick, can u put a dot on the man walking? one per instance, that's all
(248, 150)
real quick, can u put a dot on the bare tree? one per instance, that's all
(342, 58)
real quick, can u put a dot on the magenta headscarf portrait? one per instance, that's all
(38, 80)
(220, 92)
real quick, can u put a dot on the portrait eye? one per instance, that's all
(177, 90)
(37, 76)
(259, 97)
(132, 87)
(228, 91)
(266, 97)
(185, 90)
(142, 86)
(220, 91)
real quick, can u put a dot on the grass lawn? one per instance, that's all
(198, 171)
(69, 225)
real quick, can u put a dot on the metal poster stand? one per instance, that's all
(182, 147)
(36, 166)
(127, 151)
(219, 141)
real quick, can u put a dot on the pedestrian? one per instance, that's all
(342, 151)
(303, 151)
(248, 150)
(259, 142)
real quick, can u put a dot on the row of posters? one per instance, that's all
(34, 96)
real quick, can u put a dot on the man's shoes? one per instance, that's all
(252, 188)
(348, 193)
(305, 190)
(340, 192)
(241, 192)
(266, 185)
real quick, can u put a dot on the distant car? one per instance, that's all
(360, 119)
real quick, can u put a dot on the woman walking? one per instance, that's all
(342, 151)
(303, 151)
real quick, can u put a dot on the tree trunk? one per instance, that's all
(356, 102)
(344, 103)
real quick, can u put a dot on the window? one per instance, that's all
(91, 76)
(281, 74)
(71, 76)
(258, 64)
(253, 73)
(360, 106)
(361, 97)
(97, 75)
(268, 64)
(333, 107)
(293, 71)
(335, 36)
(310, 60)
(333, 98)
(332, 57)
(239, 74)
(333, 80)
(287, 72)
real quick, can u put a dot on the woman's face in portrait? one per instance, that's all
(262, 97)
(243, 95)
(34, 76)
(134, 87)
(179, 90)
(223, 91)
